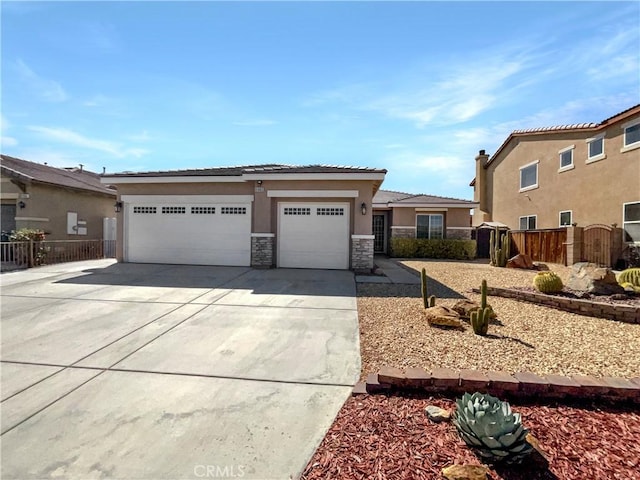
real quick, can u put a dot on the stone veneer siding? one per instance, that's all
(459, 233)
(362, 253)
(262, 251)
(403, 232)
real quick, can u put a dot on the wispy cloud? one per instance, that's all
(258, 122)
(70, 137)
(140, 137)
(5, 140)
(48, 90)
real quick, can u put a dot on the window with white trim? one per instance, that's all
(632, 135)
(566, 218)
(566, 158)
(528, 222)
(631, 221)
(595, 148)
(529, 176)
(430, 226)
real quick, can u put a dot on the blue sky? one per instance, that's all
(414, 87)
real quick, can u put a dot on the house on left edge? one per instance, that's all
(66, 203)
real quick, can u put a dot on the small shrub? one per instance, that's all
(26, 234)
(453, 249)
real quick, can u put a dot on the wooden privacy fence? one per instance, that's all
(541, 245)
(32, 253)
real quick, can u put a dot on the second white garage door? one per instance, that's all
(313, 235)
(200, 230)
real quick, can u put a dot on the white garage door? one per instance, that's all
(184, 230)
(313, 235)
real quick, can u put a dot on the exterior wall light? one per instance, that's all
(21, 204)
(118, 207)
(363, 208)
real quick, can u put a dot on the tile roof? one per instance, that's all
(388, 196)
(242, 169)
(563, 128)
(27, 172)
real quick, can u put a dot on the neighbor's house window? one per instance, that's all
(631, 221)
(595, 148)
(566, 158)
(528, 222)
(566, 218)
(529, 176)
(430, 226)
(631, 135)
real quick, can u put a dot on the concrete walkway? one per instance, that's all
(163, 371)
(392, 273)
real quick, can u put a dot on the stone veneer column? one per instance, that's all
(362, 252)
(262, 250)
(403, 232)
(574, 245)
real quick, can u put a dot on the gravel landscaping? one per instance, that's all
(526, 337)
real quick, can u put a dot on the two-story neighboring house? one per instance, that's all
(552, 177)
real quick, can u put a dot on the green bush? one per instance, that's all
(453, 249)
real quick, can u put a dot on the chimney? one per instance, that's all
(480, 193)
(104, 170)
(81, 165)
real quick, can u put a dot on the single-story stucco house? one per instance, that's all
(315, 216)
(65, 203)
(398, 214)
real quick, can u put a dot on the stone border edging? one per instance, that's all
(621, 313)
(501, 384)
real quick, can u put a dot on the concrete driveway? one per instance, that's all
(158, 371)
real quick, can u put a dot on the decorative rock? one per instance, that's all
(465, 472)
(443, 317)
(542, 267)
(465, 307)
(591, 278)
(437, 414)
(522, 260)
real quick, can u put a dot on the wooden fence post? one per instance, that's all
(31, 260)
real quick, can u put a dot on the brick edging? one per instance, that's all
(502, 384)
(621, 313)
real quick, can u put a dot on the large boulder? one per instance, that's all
(443, 317)
(591, 278)
(522, 260)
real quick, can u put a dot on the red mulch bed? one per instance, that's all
(390, 437)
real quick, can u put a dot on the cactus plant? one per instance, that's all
(547, 282)
(428, 301)
(630, 275)
(488, 425)
(499, 247)
(480, 320)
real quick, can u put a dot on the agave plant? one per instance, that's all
(488, 425)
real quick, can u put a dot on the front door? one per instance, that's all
(379, 232)
(8, 216)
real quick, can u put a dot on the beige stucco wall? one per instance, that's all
(594, 192)
(46, 209)
(264, 208)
